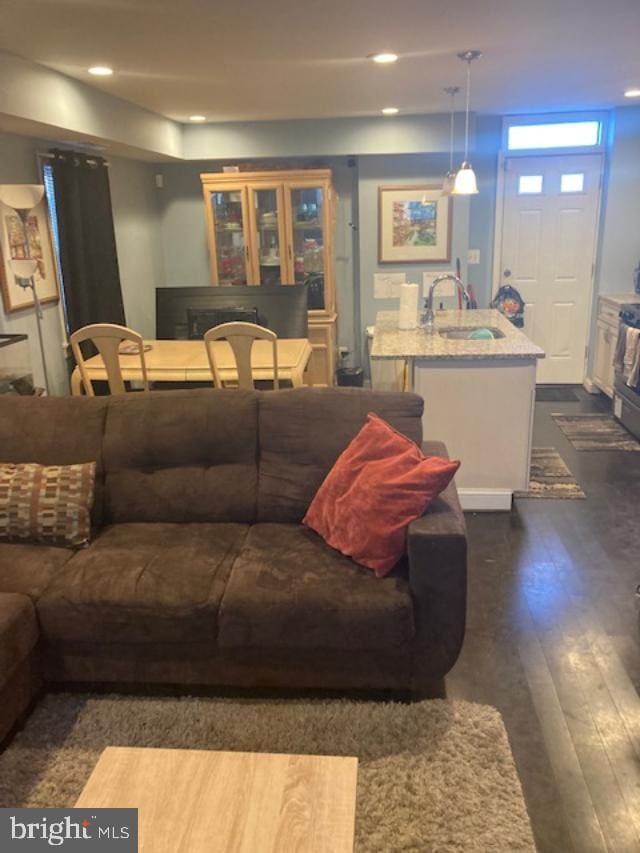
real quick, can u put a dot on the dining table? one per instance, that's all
(187, 361)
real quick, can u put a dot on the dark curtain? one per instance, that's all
(88, 257)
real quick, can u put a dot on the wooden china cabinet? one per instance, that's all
(277, 228)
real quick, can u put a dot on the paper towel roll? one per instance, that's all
(408, 315)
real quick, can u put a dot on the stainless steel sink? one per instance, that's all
(458, 334)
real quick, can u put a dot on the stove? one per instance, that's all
(626, 399)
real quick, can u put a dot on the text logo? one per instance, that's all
(37, 830)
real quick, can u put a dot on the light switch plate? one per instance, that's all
(387, 285)
(473, 256)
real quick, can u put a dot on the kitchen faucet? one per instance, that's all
(427, 318)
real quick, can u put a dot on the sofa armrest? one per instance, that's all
(437, 548)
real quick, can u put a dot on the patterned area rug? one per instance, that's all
(550, 477)
(555, 394)
(433, 776)
(596, 432)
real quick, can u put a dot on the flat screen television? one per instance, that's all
(281, 308)
(200, 320)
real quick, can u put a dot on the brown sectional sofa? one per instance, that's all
(199, 572)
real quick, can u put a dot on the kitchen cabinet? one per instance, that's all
(603, 357)
(277, 228)
(602, 373)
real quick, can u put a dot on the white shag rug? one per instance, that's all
(433, 776)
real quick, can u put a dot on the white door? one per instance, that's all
(550, 215)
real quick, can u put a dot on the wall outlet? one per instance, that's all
(473, 256)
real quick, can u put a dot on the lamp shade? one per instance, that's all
(465, 183)
(24, 269)
(448, 183)
(21, 196)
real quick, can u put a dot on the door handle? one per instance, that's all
(506, 273)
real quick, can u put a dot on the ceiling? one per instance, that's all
(280, 59)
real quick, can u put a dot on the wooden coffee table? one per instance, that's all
(191, 801)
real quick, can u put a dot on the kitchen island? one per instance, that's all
(479, 396)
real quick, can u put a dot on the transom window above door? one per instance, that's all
(557, 132)
(570, 134)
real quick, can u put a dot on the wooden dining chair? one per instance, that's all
(240, 337)
(107, 337)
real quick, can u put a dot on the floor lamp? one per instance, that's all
(23, 198)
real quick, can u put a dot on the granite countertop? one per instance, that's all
(619, 299)
(391, 342)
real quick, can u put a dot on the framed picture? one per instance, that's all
(13, 247)
(414, 225)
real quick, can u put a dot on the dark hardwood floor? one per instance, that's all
(553, 643)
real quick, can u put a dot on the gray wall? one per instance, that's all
(620, 244)
(182, 225)
(18, 165)
(345, 182)
(136, 216)
(374, 172)
(161, 234)
(68, 109)
(483, 206)
(356, 239)
(137, 225)
(401, 134)
(184, 237)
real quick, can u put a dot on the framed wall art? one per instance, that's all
(414, 225)
(14, 247)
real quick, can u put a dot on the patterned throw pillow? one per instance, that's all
(47, 504)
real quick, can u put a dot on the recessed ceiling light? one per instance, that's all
(632, 93)
(197, 118)
(101, 71)
(384, 58)
(389, 111)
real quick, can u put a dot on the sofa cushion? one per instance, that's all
(143, 583)
(288, 589)
(177, 456)
(28, 569)
(18, 632)
(55, 431)
(302, 433)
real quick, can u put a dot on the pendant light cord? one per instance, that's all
(466, 116)
(451, 120)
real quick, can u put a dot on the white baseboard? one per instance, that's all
(486, 500)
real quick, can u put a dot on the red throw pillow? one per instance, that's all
(378, 485)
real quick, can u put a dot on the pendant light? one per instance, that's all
(465, 182)
(450, 177)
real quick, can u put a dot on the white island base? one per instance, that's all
(479, 397)
(483, 411)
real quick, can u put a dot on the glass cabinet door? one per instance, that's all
(232, 255)
(267, 224)
(309, 257)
